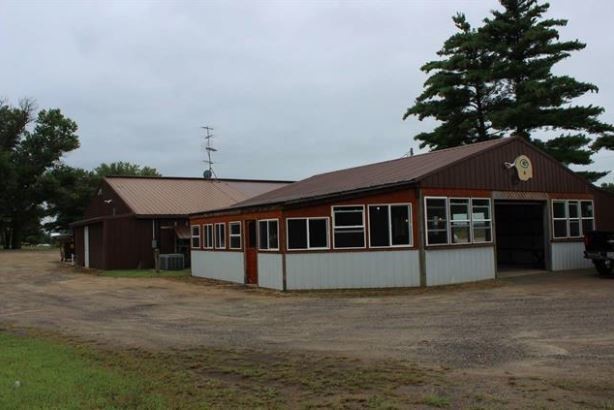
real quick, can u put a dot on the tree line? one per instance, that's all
(36, 185)
(497, 80)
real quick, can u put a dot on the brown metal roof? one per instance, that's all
(182, 196)
(387, 173)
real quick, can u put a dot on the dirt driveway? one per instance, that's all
(533, 326)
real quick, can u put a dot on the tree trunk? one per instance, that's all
(16, 237)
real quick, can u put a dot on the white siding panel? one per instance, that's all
(228, 266)
(569, 255)
(270, 272)
(448, 266)
(345, 270)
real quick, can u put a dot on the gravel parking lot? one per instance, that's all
(546, 325)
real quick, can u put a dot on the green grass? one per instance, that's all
(145, 273)
(60, 373)
(39, 374)
(436, 401)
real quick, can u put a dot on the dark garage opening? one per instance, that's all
(520, 235)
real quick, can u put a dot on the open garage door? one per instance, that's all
(520, 235)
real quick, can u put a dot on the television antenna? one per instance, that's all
(209, 173)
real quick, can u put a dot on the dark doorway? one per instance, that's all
(251, 253)
(520, 236)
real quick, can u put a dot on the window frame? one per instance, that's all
(489, 220)
(197, 236)
(216, 236)
(567, 218)
(409, 222)
(469, 219)
(449, 242)
(204, 231)
(307, 219)
(426, 222)
(231, 235)
(267, 228)
(583, 218)
(364, 226)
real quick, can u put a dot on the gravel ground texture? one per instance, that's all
(542, 325)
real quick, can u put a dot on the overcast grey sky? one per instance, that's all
(292, 88)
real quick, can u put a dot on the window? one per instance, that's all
(268, 234)
(234, 229)
(587, 216)
(572, 218)
(220, 236)
(195, 236)
(481, 220)
(307, 233)
(559, 219)
(208, 236)
(349, 226)
(436, 221)
(458, 220)
(389, 225)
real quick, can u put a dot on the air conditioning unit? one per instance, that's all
(172, 261)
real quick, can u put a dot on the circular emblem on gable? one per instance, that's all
(524, 167)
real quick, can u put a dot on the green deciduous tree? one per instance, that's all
(515, 51)
(125, 169)
(30, 145)
(69, 190)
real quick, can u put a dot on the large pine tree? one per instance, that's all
(518, 48)
(458, 93)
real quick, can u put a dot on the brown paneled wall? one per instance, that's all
(98, 207)
(487, 171)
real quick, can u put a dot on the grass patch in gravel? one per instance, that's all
(56, 372)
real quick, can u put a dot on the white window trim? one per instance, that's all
(205, 236)
(489, 220)
(568, 219)
(307, 219)
(468, 220)
(449, 221)
(410, 223)
(364, 225)
(215, 236)
(426, 221)
(578, 218)
(231, 235)
(192, 236)
(583, 218)
(267, 232)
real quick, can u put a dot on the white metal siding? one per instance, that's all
(447, 266)
(228, 266)
(569, 255)
(344, 270)
(270, 272)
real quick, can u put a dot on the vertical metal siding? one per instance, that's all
(219, 265)
(448, 266)
(341, 270)
(569, 255)
(270, 271)
(486, 171)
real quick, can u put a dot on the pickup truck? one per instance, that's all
(599, 246)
